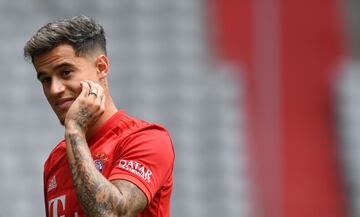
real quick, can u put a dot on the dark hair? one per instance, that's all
(81, 32)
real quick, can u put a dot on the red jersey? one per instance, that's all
(122, 148)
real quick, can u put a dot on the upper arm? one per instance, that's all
(145, 160)
(135, 200)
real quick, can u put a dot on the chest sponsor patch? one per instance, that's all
(136, 168)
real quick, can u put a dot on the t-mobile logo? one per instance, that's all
(54, 204)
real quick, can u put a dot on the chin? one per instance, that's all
(61, 118)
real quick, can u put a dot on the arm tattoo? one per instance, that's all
(97, 196)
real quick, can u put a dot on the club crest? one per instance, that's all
(99, 161)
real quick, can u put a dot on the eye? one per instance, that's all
(65, 73)
(45, 80)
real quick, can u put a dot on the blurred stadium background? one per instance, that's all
(260, 98)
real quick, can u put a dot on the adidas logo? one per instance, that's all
(52, 184)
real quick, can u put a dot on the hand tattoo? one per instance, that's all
(83, 118)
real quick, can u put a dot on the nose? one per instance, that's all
(57, 86)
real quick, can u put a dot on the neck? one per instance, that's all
(110, 110)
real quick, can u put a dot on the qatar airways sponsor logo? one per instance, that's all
(136, 168)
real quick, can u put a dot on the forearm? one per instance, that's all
(97, 195)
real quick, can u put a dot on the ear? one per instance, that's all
(102, 66)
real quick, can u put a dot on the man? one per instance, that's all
(109, 164)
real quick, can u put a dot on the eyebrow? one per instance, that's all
(57, 67)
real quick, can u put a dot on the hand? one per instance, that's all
(87, 108)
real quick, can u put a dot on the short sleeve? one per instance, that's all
(146, 159)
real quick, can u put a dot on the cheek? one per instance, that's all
(75, 88)
(90, 73)
(46, 92)
(73, 85)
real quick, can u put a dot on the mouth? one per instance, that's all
(64, 103)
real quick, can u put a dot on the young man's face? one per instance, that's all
(60, 72)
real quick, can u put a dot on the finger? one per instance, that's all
(93, 90)
(94, 85)
(99, 102)
(101, 96)
(97, 89)
(85, 88)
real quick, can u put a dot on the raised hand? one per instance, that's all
(87, 108)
